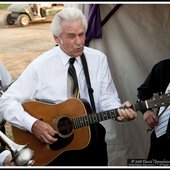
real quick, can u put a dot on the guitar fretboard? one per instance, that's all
(94, 118)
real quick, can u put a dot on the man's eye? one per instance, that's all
(71, 36)
(81, 35)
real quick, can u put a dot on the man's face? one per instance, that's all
(72, 39)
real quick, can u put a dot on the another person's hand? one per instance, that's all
(150, 118)
(126, 112)
(9, 162)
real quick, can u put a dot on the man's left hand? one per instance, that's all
(126, 113)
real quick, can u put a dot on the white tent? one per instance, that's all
(136, 37)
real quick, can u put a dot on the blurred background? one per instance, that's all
(134, 37)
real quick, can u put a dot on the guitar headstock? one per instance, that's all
(159, 101)
(155, 102)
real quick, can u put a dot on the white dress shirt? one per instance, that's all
(46, 78)
(3, 155)
(5, 77)
(5, 80)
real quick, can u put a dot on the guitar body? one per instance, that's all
(71, 119)
(77, 139)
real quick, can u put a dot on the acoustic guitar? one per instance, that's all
(71, 119)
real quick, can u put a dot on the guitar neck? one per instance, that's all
(141, 106)
(155, 102)
(94, 118)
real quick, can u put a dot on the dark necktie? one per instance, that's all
(72, 74)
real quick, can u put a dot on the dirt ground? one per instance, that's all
(20, 45)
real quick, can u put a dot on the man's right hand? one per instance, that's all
(44, 132)
(150, 118)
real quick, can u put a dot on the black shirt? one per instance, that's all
(157, 80)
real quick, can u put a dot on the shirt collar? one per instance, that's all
(64, 57)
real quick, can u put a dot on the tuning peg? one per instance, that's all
(155, 95)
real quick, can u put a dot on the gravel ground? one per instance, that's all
(20, 45)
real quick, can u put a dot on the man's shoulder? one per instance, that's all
(163, 63)
(93, 51)
(47, 54)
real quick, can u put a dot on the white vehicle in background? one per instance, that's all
(22, 14)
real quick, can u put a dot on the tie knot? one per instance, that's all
(72, 60)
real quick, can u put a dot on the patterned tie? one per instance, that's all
(162, 125)
(73, 77)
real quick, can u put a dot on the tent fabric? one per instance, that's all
(94, 29)
(134, 39)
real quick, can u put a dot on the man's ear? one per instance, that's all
(57, 40)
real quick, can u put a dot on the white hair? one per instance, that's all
(69, 14)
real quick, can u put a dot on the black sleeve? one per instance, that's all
(151, 84)
(2, 148)
(156, 82)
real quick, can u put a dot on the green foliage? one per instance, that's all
(4, 6)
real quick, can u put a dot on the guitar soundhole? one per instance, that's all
(65, 134)
(64, 127)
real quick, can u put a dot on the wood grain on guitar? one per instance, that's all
(71, 119)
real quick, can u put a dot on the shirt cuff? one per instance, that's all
(28, 122)
(3, 155)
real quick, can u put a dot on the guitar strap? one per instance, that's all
(86, 72)
(97, 130)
